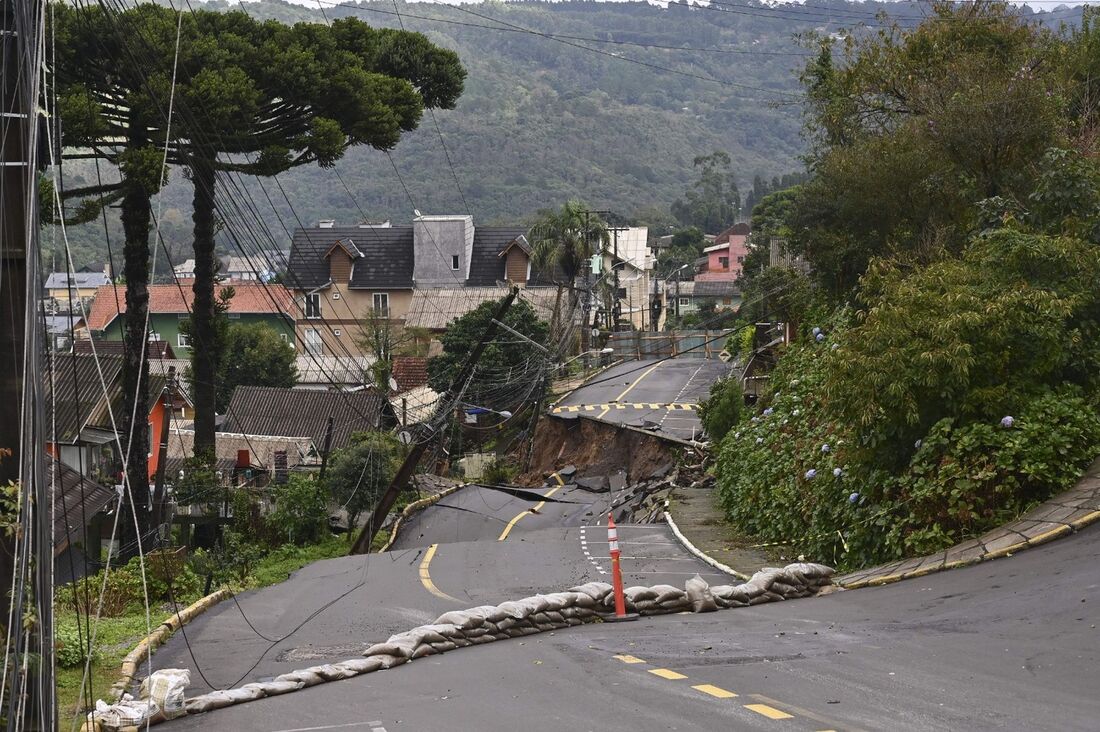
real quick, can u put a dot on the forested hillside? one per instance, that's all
(605, 101)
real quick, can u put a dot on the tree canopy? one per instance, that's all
(255, 355)
(360, 472)
(506, 359)
(713, 202)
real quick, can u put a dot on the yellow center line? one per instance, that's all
(537, 507)
(637, 381)
(665, 673)
(769, 712)
(626, 658)
(715, 691)
(426, 579)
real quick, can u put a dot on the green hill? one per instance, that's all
(560, 102)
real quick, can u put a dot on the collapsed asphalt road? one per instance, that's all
(660, 395)
(444, 559)
(1010, 644)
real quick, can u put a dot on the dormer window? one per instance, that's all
(454, 262)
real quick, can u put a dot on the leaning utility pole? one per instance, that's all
(426, 435)
(26, 566)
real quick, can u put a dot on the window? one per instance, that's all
(283, 336)
(313, 341)
(382, 304)
(337, 332)
(183, 341)
(724, 262)
(454, 261)
(684, 301)
(336, 296)
(313, 305)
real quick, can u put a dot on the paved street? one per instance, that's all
(648, 393)
(1008, 644)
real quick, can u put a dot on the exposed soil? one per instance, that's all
(596, 449)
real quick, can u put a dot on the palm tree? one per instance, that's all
(562, 244)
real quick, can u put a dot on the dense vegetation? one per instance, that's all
(945, 373)
(542, 121)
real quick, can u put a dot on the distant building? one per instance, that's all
(66, 290)
(266, 410)
(690, 296)
(171, 304)
(341, 275)
(726, 257)
(627, 260)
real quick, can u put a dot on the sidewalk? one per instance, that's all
(1061, 515)
(701, 520)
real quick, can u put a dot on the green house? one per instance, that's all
(170, 305)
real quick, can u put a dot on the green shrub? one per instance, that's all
(69, 650)
(723, 408)
(499, 470)
(301, 511)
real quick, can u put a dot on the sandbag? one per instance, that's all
(126, 712)
(362, 665)
(698, 591)
(596, 590)
(165, 688)
(275, 688)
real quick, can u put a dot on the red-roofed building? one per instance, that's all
(409, 372)
(252, 302)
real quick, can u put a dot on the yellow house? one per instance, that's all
(63, 287)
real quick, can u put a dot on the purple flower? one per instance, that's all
(768, 412)
(1007, 422)
(825, 447)
(816, 331)
(853, 498)
(811, 474)
(820, 337)
(837, 472)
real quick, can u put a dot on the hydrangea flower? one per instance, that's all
(816, 331)
(837, 472)
(796, 412)
(811, 474)
(737, 435)
(825, 447)
(768, 412)
(917, 444)
(853, 498)
(820, 337)
(1007, 422)
(759, 440)
(834, 346)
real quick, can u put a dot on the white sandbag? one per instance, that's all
(275, 688)
(126, 712)
(362, 665)
(698, 591)
(166, 688)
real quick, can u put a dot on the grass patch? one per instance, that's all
(116, 636)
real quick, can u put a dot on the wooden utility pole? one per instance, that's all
(425, 435)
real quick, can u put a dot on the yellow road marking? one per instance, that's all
(647, 406)
(558, 478)
(769, 712)
(606, 409)
(537, 507)
(665, 673)
(715, 691)
(426, 579)
(625, 658)
(637, 381)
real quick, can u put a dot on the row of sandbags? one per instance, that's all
(487, 623)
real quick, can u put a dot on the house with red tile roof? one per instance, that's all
(169, 305)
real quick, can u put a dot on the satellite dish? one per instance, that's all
(393, 384)
(406, 437)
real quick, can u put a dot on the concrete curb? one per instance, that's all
(1064, 530)
(415, 506)
(700, 553)
(155, 639)
(630, 427)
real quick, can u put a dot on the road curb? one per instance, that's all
(699, 552)
(1065, 530)
(133, 660)
(415, 506)
(632, 428)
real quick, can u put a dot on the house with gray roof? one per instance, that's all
(343, 275)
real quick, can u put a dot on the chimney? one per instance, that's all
(439, 244)
(326, 223)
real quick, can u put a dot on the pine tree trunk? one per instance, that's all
(205, 349)
(136, 223)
